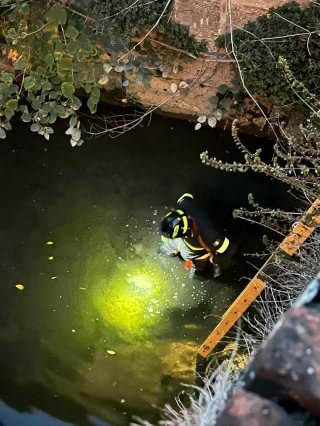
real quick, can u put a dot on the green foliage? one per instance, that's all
(116, 17)
(259, 45)
(49, 52)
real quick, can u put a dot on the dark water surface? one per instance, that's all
(107, 328)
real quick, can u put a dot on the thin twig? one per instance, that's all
(196, 58)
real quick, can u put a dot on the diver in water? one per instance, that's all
(189, 233)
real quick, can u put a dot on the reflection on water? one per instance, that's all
(105, 327)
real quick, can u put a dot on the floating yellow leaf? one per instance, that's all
(54, 278)
(191, 326)
(50, 257)
(49, 243)
(82, 288)
(123, 400)
(111, 352)
(20, 287)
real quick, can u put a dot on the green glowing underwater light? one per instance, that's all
(133, 302)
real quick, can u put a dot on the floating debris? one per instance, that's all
(50, 257)
(54, 278)
(82, 288)
(110, 352)
(191, 326)
(49, 243)
(123, 400)
(20, 287)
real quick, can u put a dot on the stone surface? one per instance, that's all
(208, 19)
(248, 409)
(287, 367)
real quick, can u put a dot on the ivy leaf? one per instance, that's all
(35, 127)
(212, 121)
(107, 67)
(119, 68)
(183, 85)
(58, 46)
(49, 59)
(75, 103)
(60, 110)
(52, 118)
(174, 87)
(80, 56)
(202, 119)
(12, 33)
(90, 104)
(7, 126)
(226, 103)
(47, 85)
(28, 82)
(214, 100)
(72, 47)
(57, 14)
(13, 88)
(103, 79)
(9, 113)
(24, 9)
(47, 36)
(3, 134)
(198, 126)
(90, 78)
(87, 88)
(20, 65)
(73, 121)
(223, 88)
(65, 64)
(7, 76)
(218, 114)
(67, 89)
(208, 111)
(95, 91)
(71, 32)
(94, 99)
(12, 104)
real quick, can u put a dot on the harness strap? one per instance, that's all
(194, 226)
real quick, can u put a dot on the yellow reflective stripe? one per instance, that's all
(203, 257)
(168, 214)
(164, 239)
(224, 246)
(183, 196)
(175, 231)
(193, 248)
(185, 224)
(180, 211)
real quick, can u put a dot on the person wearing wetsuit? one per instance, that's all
(190, 233)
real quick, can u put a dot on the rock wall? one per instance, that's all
(281, 386)
(207, 19)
